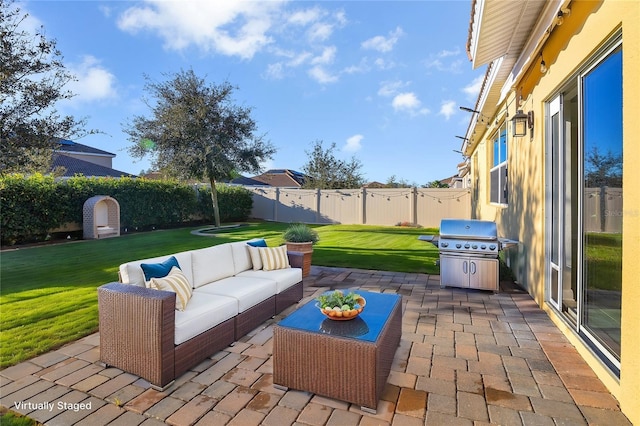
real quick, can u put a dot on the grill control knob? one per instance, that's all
(492, 247)
(458, 245)
(483, 247)
(445, 244)
(475, 246)
(467, 246)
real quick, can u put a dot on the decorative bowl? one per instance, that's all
(337, 314)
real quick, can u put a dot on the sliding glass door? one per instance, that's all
(584, 195)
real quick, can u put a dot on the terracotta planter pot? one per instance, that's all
(307, 250)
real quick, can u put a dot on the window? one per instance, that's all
(498, 172)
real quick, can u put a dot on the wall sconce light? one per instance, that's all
(543, 65)
(519, 124)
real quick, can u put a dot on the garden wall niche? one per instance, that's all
(101, 218)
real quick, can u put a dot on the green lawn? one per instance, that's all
(48, 294)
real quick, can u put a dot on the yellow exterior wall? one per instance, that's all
(590, 24)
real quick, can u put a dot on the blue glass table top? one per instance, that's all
(366, 326)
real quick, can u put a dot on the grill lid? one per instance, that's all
(468, 229)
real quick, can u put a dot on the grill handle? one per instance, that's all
(465, 267)
(473, 268)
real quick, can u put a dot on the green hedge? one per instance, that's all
(32, 206)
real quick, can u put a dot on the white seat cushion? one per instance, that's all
(203, 312)
(248, 291)
(131, 272)
(284, 278)
(211, 264)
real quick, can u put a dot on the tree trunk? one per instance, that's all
(214, 201)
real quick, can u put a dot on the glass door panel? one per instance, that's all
(602, 201)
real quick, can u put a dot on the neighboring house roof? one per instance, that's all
(67, 146)
(374, 184)
(75, 166)
(281, 178)
(243, 180)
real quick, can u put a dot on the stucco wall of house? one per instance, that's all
(588, 27)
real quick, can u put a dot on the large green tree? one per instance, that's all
(196, 131)
(32, 80)
(325, 171)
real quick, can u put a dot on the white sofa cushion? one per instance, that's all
(284, 278)
(241, 257)
(203, 312)
(248, 291)
(131, 272)
(211, 264)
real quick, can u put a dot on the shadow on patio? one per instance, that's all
(466, 356)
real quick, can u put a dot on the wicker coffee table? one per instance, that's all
(345, 360)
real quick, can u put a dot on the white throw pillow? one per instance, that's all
(274, 258)
(176, 282)
(256, 261)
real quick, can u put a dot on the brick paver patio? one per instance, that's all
(466, 358)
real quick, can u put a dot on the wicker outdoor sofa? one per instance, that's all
(235, 288)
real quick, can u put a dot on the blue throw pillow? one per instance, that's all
(257, 243)
(159, 270)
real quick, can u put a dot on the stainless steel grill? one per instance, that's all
(469, 254)
(465, 237)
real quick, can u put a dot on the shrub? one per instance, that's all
(300, 233)
(235, 202)
(32, 206)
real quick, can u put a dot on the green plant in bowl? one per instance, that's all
(337, 305)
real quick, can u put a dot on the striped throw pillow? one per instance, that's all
(176, 282)
(274, 258)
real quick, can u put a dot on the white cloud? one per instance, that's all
(327, 56)
(321, 75)
(274, 71)
(320, 31)
(381, 43)
(444, 53)
(353, 143)
(384, 64)
(473, 89)
(446, 61)
(408, 102)
(237, 28)
(306, 17)
(448, 108)
(390, 88)
(94, 82)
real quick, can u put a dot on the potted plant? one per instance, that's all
(301, 238)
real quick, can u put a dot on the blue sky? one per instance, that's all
(381, 79)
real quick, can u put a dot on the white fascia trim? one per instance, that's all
(476, 30)
(482, 97)
(537, 38)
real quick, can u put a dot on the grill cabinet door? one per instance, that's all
(483, 273)
(454, 271)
